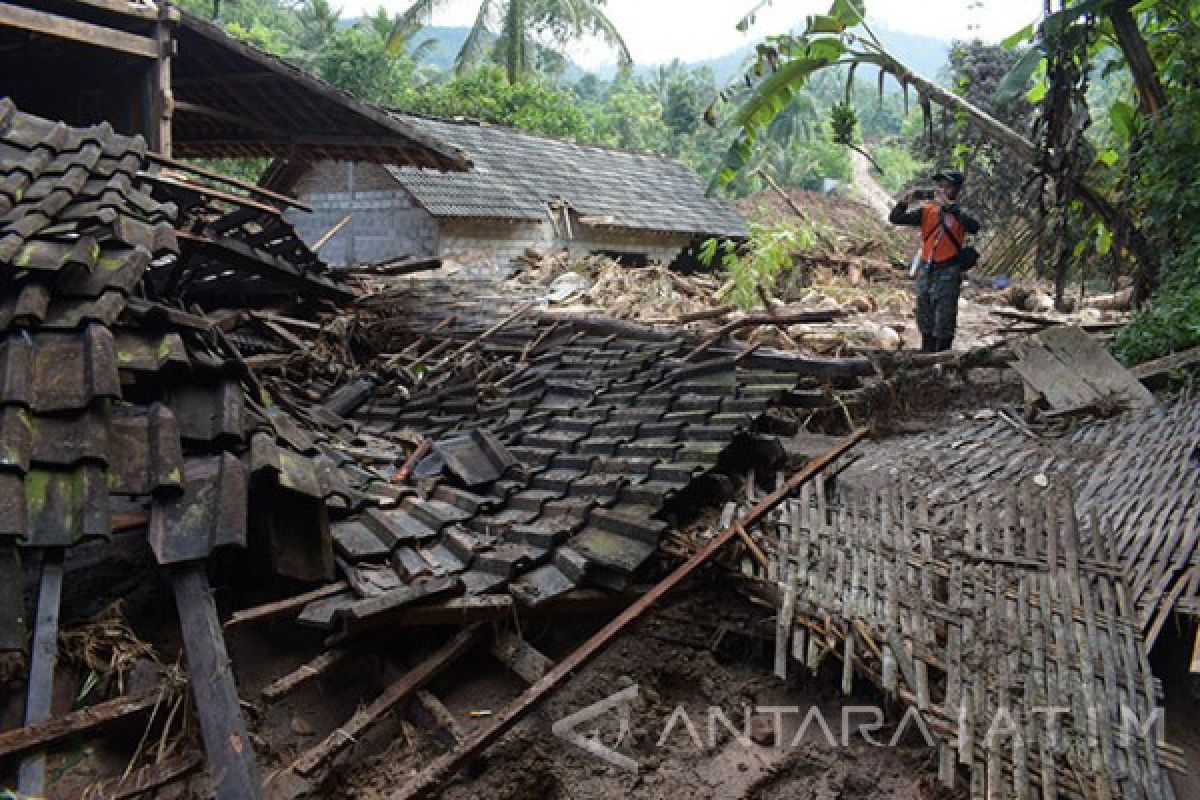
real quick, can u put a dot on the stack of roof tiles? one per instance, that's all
(76, 237)
(109, 403)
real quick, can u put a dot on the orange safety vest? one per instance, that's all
(936, 246)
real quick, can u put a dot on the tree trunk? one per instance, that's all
(1133, 47)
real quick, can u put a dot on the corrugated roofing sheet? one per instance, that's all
(517, 175)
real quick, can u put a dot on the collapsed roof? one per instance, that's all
(519, 176)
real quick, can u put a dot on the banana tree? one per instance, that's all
(839, 39)
(842, 40)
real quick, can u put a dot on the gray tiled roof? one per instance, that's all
(517, 174)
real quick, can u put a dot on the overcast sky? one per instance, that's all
(660, 30)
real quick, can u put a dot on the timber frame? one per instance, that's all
(190, 88)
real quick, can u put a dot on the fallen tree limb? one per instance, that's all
(437, 773)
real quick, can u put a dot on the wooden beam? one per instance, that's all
(263, 192)
(1161, 366)
(85, 719)
(434, 776)
(520, 656)
(143, 779)
(178, 182)
(123, 7)
(403, 688)
(77, 31)
(431, 714)
(237, 120)
(31, 776)
(230, 754)
(329, 234)
(306, 672)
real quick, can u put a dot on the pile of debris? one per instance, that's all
(186, 386)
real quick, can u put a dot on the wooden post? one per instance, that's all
(162, 100)
(229, 752)
(31, 777)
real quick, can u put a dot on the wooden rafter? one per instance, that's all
(14, 16)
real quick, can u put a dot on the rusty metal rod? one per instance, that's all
(437, 773)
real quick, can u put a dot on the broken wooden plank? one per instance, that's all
(1053, 380)
(303, 674)
(406, 266)
(281, 608)
(1073, 371)
(1090, 360)
(332, 232)
(431, 714)
(436, 773)
(410, 463)
(230, 756)
(1150, 370)
(708, 313)
(252, 188)
(367, 607)
(85, 719)
(491, 607)
(416, 678)
(31, 775)
(144, 779)
(180, 182)
(520, 656)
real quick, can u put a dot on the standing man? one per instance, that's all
(944, 228)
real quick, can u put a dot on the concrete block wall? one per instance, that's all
(386, 222)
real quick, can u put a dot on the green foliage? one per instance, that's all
(766, 258)
(901, 168)
(536, 105)
(1171, 323)
(354, 59)
(517, 29)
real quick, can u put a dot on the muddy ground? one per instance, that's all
(680, 670)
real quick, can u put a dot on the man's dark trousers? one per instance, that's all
(937, 305)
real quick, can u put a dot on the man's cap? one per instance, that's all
(950, 176)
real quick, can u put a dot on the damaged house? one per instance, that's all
(274, 530)
(524, 191)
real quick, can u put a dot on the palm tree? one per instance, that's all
(319, 20)
(514, 24)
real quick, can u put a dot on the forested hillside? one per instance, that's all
(656, 109)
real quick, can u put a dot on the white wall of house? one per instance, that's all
(387, 223)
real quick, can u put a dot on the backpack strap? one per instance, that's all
(958, 245)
